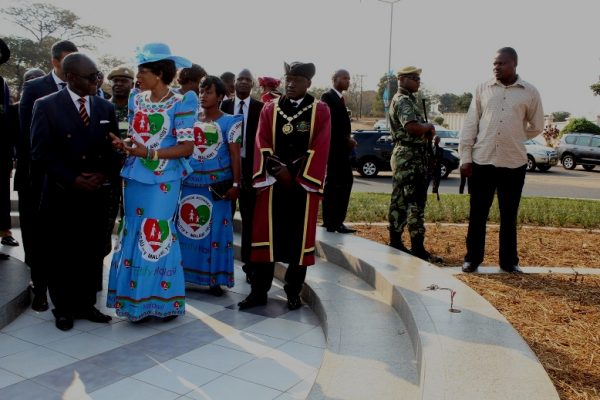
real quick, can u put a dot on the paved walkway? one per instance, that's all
(213, 352)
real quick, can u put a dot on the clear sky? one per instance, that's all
(454, 41)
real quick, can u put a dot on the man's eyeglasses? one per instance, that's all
(94, 77)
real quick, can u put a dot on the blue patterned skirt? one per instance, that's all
(146, 276)
(205, 230)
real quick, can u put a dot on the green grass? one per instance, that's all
(454, 208)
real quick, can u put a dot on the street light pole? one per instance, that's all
(389, 80)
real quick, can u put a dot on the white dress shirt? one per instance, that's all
(59, 82)
(236, 110)
(499, 120)
(75, 97)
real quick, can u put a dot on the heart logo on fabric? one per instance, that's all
(208, 140)
(156, 123)
(194, 216)
(156, 232)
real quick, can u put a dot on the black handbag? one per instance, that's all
(219, 189)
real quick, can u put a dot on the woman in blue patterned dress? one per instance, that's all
(146, 277)
(204, 220)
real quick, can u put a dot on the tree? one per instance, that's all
(44, 20)
(45, 24)
(595, 88)
(423, 93)
(580, 125)
(452, 103)
(316, 92)
(560, 116)
(25, 54)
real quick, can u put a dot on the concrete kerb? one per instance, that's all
(472, 354)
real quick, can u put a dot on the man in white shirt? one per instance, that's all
(505, 112)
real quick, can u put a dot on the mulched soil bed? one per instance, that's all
(537, 246)
(558, 315)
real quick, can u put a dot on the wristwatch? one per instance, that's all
(236, 185)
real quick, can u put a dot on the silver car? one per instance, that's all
(539, 155)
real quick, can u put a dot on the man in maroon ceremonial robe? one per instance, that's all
(290, 160)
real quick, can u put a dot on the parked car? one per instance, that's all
(380, 124)
(448, 138)
(373, 152)
(539, 155)
(579, 148)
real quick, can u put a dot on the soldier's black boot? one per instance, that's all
(396, 241)
(418, 250)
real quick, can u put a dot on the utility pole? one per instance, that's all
(361, 76)
(389, 80)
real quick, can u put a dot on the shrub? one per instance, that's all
(580, 125)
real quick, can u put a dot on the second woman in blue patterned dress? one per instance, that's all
(204, 218)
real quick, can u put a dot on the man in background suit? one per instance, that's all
(242, 103)
(72, 150)
(26, 181)
(338, 183)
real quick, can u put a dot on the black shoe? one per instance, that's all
(469, 267)
(94, 315)
(330, 229)
(515, 269)
(4, 256)
(39, 303)
(252, 301)
(64, 323)
(344, 229)
(400, 246)
(9, 241)
(427, 256)
(294, 303)
(216, 291)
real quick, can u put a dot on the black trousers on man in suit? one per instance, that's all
(247, 204)
(80, 216)
(336, 193)
(483, 184)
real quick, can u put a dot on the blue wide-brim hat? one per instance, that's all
(159, 51)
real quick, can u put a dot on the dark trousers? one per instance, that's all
(247, 202)
(336, 195)
(263, 278)
(74, 278)
(484, 182)
(30, 223)
(5, 223)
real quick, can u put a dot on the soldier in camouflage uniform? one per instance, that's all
(409, 163)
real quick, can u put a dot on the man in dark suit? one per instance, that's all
(242, 103)
(338, 183)
(7, 136)
(28, 183)
(71, 148)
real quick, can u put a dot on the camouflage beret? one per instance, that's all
(409, 70)
(122, 71)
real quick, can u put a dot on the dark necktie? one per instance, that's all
(62, 85)
(83, 112)
(241, 112)
(343, 101)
